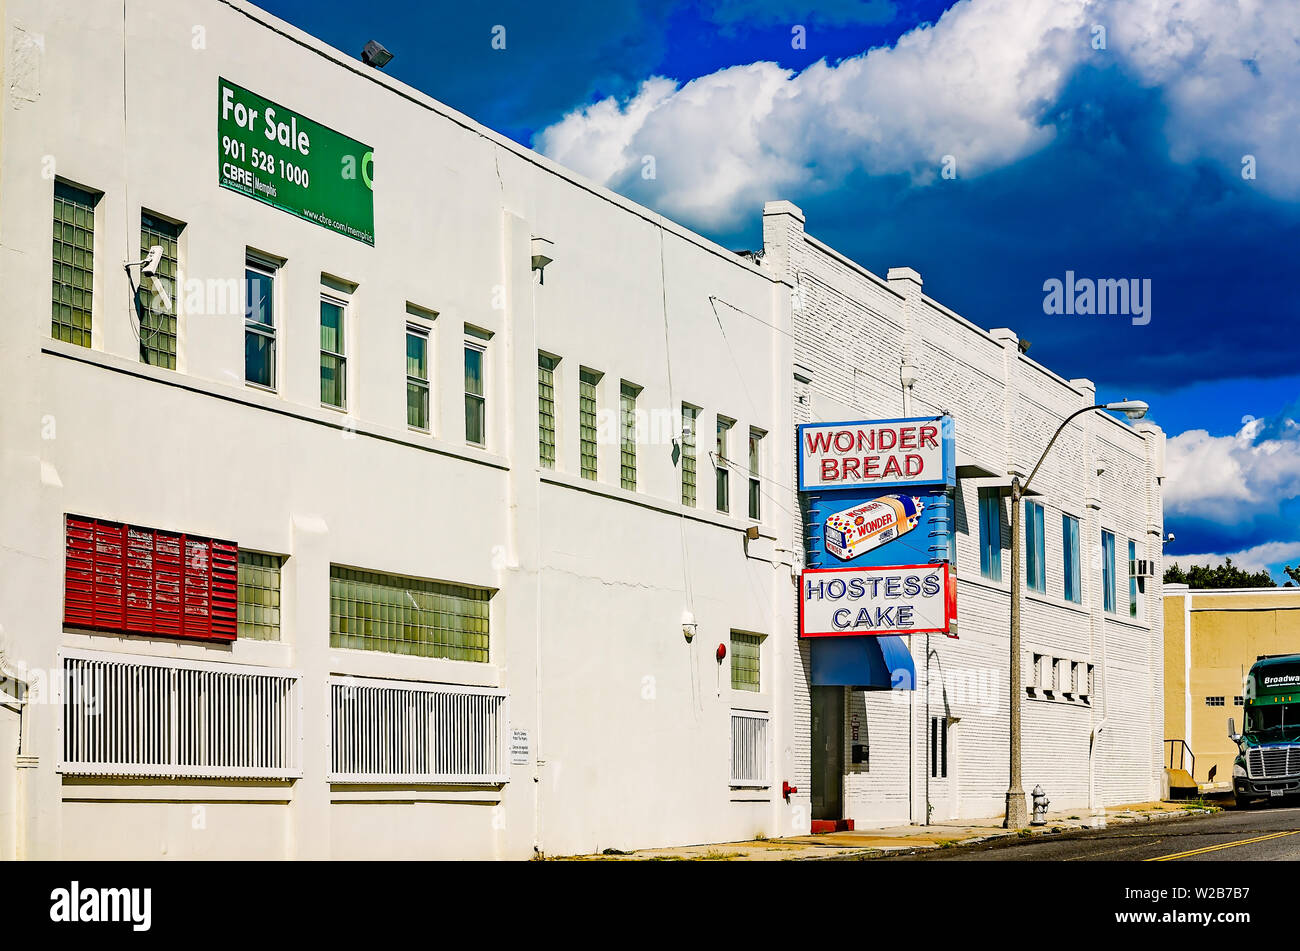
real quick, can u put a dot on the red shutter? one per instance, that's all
(125, 578)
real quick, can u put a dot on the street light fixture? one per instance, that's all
(1017, 815)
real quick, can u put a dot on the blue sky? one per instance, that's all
(1116, 154)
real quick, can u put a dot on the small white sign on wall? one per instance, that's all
(520, 750)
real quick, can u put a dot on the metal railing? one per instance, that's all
(1184, 754)
(131, 715)
(388, 731)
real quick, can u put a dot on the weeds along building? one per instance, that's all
(1092, 668)
(416, 499)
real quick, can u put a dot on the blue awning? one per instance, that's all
(863, 662)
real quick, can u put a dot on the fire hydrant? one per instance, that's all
(1041, 802)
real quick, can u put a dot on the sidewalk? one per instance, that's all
(869, 843)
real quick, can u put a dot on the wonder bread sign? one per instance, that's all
(877, 452)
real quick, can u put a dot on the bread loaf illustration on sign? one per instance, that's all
(865, 527)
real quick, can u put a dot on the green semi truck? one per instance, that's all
(1268, 758)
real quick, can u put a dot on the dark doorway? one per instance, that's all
(827, 752)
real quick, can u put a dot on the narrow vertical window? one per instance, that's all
(333, 359)
(417, 377)
(755, 473)
(628, 393)
(156, 295)
(939, 747)
(259, 324)
(1072, 589)
(990, 503)
(1108, 571)
(722, 474)
(1132, 581)
(475, 391)
(690, 417)
(1035, 544)
(74, 264)
(588, 380)
(546, 409)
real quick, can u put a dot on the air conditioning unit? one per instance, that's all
(1142, 568)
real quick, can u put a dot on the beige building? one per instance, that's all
(1211, 639)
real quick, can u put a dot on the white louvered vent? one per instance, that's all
(749, 759)
(385, 731)
(129, 715)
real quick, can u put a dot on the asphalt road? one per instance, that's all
(1265, 833)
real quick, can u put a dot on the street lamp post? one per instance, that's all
(1017, 815)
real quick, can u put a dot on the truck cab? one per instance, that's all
(1268, 758)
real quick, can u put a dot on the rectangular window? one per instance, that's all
(259, 324)
(1108, 571)
(475, 392)
(417, 377)
(1214, 701)
(130, 580)
(546, 409)
(749, 766)
(1072, 589)
(745, 649)
(721, 470)
(628, 393)
(259, 596)
(74, 264)
(990, 503)
(156, 295)
(333, 358)
(939, 747)
(755, 473)
(380, 612)
(1132, 581)
(1035, 545)
(588, 380)
(1238, 701)
(690, 418)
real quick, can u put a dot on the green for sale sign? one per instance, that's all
(282, 158)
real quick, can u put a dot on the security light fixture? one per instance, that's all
(1024, 345)
(375, 55)
(152, 261)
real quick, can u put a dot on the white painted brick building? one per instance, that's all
(1087, 669)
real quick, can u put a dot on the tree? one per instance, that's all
(1226, 575)
(1293, 574)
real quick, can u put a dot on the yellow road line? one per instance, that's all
(1225, 845)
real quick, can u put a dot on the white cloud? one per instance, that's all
(1255, 558)
(1230, 479)
(975, 85)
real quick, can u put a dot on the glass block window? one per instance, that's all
(546, 409)
(690, 417)
(73, 256)
(259, 324)
(628, 392)
(755, 473)
(259, 596)
(745, 650)
(417, 377)
(721, 470)
(588, 380)
(333, 360)
(475, 400)
(381, 612)
(157, 294)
